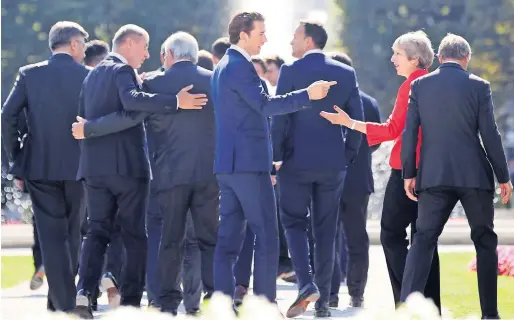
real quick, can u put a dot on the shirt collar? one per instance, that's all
(241, 51)
(119, 56)
(312, 51)
(61, 52)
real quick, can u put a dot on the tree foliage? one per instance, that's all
(370, 28)
(25, 25)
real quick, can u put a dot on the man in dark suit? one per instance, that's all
(353, 212)
(96, 51)
(243, 155)
(453, 167)
(48, 94)
(219, 48)
(183, 164)
(115, 167)
(311, 158)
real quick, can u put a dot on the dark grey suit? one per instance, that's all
(48, 93)
(182, 158)
(454, 109)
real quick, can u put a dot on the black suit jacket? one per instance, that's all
(359, 176)
(454, 109)
(48, 93)
(181, 144)
(109, 98)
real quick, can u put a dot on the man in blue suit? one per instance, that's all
(312, 157)
(353, 213)
(243, 155)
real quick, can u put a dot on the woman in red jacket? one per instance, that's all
(412, 56)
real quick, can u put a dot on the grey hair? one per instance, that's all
(163, 48)
(127, 31)
(183, 46)
(63, 32)
(416, 45)
(454, 47)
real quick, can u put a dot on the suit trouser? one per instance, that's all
(36, 247)
(114, 254)
(353, 214)
(203, 201)
(112, 199)
(243, 266)
(247, 199)
(297, 190)
(435, 206)
(191, 276)
(398, 213)
(56, 206)
(153, 232)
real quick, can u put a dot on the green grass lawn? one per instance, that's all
(16, 269)
(459, 288)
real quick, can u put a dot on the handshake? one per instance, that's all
(319, 89)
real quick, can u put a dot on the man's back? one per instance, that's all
(456, 113)
(120, 153)
(52, 91)
(181, 144)
(311, 142)
(359, 177)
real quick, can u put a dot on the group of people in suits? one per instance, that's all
(186, 173)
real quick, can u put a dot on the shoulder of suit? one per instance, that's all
(33, 66)
(475, 78)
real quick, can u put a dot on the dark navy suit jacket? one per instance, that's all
(116, 143)
(359, 177)
(455, 111)
(181, 144)
(241, 109)
(48, 93)
(306, 141)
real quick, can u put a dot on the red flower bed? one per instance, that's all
(505, 261)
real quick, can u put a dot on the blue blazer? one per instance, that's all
(306, 141)
(359, 177)
(241, 109)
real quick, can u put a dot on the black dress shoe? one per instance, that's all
(323, 312)
(172, 311)
(193, 312)
(239, 294)
(357, 302)
(83, 305)
(309, 293)
(334, 301)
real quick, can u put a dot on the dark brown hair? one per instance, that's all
(242, 22)
(317, 33)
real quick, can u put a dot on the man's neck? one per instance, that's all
(120, 55)
(64, 51)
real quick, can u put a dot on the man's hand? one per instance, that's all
(340, 118)
(273, 180)
(187, 100)
(319, 89)
(143, 76)
(410, 187)
(77, 128)
(506, 191)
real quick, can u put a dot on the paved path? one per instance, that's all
(20, 303)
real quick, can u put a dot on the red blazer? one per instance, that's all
(392, 129)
